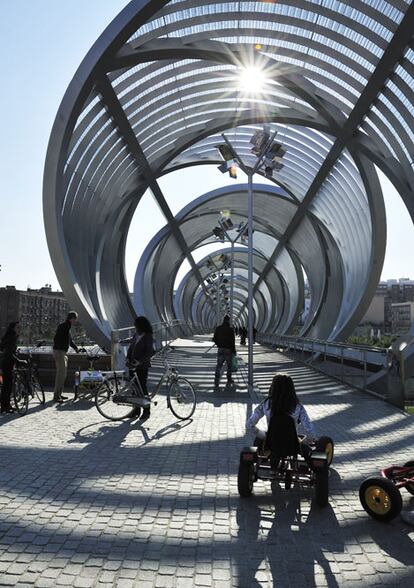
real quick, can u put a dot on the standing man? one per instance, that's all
(61, 344)
(225, 341)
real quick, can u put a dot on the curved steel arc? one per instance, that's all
(104, 153)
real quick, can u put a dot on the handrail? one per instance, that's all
(361, 353)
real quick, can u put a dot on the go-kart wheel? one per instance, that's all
(410, 485)
(245, 479)
(326, 445)
(380, 498)
(322, 486)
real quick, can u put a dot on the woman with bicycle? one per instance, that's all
(139, 354)
(8, 348)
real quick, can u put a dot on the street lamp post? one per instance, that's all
(250, 318)
(218, 301)
(269, 154)
(222, 233)
(232, 283)
(217, 280)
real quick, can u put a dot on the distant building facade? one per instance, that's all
(39, 311)
(402, 315)
(388, 293)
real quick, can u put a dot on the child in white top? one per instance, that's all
(282, 399)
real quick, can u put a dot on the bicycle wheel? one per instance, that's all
(20, 396)
(181, 399)
(107, 401)
(38, 389)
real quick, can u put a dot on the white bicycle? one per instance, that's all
(119, 397)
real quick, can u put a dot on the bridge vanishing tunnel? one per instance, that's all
(154, 95)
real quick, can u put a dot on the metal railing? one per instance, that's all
(342, 351)
(356, 362)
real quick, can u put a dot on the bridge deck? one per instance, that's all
(87, 502)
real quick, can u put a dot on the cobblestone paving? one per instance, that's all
(86, 502)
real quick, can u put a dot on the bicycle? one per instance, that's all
(120, 398)
(26, 382)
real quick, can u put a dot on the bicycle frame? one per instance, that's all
(169, 375)
(116, 390)
(29, 368)
(24, 372)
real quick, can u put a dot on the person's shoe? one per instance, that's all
(230, 381)
(63, 397)
(146, 413)
(58, 400)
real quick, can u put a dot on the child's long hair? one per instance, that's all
(283, 399)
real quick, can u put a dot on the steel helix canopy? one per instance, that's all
(154, 95)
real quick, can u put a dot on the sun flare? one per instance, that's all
(252, 80)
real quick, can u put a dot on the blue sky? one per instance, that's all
(44, 42)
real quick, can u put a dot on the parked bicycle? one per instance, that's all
(120, 398)
(26, 382)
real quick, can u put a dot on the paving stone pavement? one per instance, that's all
(86, 502)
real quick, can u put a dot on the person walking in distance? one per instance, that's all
(226, 348)
(140, 351)
(243, 335)
(61, 343)
(8, 348)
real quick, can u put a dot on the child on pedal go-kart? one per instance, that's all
(281, 402)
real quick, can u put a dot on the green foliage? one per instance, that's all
(383, 342)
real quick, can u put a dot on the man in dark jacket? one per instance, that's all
(61, 344)
(226, 348)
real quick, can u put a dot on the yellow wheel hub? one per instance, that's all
(329, 452)
(378, 499)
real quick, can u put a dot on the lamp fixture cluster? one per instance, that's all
(271, 151)
(271, 154)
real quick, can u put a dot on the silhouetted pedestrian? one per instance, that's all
(8, 349)
(243, 335)
(254, 334)
(61, 343)
(140, 350)
(226, 348)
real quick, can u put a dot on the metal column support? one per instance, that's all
(250, 318)
(232, 284)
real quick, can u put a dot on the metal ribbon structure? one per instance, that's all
(154, 94)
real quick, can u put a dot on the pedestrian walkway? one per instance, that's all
(86, 502)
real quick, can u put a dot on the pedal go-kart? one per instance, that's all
(90, 379)
(257, 464)
(381, 496)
